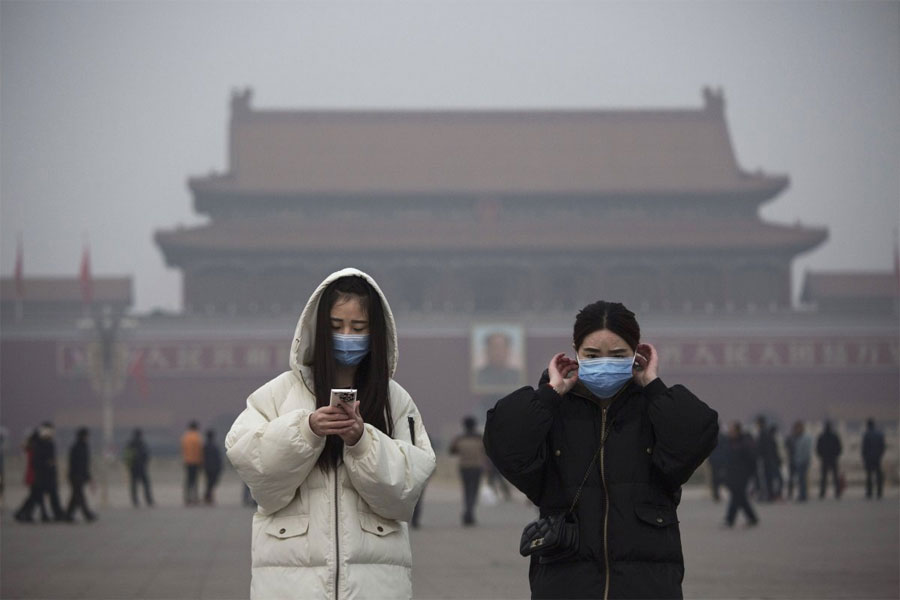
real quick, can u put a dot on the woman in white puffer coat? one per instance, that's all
(335, 487)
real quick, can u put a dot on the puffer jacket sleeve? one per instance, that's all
(273, 454)
(390, 473)
(515, 437)
(685, 428)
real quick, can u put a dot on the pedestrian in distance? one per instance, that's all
(605, 420)
(802, 457)
(45, 471)
(137, 458)
(768, 459)
(718, 466)
(79, 476)
(212, 466)
(35, 496)
(829, 449)
(872, 451)
(470, 450)
(777, 487)
(192, 456)
(790, 444)
(496, 482)
(336, 479)
(742, 464)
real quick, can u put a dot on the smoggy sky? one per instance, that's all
(108, 107)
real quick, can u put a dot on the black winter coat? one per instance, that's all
(742, 454)
(79, 463)
(628, 527)
(828, 446)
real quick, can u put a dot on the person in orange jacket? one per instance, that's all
(192, 455)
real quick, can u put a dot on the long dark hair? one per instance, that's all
(372, 374)
(606, 315)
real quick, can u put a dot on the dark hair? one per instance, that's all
(469, 423)
(193, 425)
(82, 433)
(606, 315)
(210, 434)
(372, 374)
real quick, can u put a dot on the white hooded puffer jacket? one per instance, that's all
(338, 534)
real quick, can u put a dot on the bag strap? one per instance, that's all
(588, 472)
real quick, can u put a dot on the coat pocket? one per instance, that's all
(656, 515)
(288, 527)
(381, 527)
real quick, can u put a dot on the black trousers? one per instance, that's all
(35, 499)
(212, 478)
(738, 502)
(829, 467)
(139, 476)
(78, 501)
(191, 496)
(471, 479)
(874, 471)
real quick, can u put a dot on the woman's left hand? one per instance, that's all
(646, 364)
(351, 434)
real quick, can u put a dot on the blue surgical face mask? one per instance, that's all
(350, 348)
(605, 376)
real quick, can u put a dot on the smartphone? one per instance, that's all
(343, 396)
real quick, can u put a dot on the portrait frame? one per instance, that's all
(493, 379)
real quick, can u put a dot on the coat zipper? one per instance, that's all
(337, 543)
(605, 507)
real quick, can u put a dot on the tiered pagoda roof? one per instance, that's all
(598, 153)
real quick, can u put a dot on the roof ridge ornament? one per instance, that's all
(240, 101)
(714, 101)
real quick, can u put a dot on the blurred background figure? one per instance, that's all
(801, 456)
(192, 456)
(768, 461)
(3, 437)
(35, 495)
(79, 476)
(872, 450)
(718, 465)
(45, 471)
(496, 482)
(777, 485)
(741, 466)
(470, 450)
(212, 466)
(829, 449)
(136, 458)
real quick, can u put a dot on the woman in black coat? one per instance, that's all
(653, 438)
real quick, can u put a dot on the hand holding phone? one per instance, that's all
(343, 397)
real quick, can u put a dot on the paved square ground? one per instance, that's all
(824, 549)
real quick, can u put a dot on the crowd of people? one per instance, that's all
(42, 480)
(751, 466)
(42, 476)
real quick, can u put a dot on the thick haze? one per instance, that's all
(108, 107)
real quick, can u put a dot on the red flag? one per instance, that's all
(139, 374)
(87, 284)
(20, 271)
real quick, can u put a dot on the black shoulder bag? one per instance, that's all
(555, 537)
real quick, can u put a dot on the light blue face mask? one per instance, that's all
(605, 376)
(350, 348)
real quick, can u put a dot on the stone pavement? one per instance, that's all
(827, 549)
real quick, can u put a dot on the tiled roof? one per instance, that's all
(834, 285)
(604, 152)
(296, 233)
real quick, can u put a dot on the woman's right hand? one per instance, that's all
(329, 420)
(563, 373)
